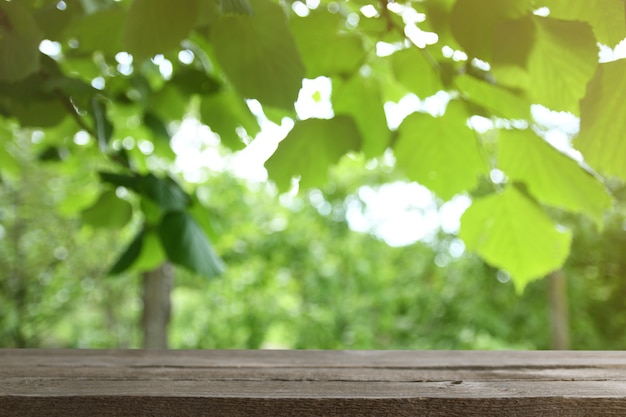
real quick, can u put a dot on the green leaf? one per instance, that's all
(156, 126)
(158, 26)
(241, 7)
(151, 254)
(472, 22)
(164, 191)
(129, 256)
(259, 55)
(550, 176)
(605, 16)
(413, 71)
(108, 211)
(192, 81)
(602, 138)
(121, 180)
(223, 113)
(19, 42)
(187, 245)
(8, 164)
(308, 151)
(440, 153)
(53, 21)
(562, 63)
(104, 127)
(496, 99)
(201, 215)
(361, 98)
(559, 65)
(99, 31)
(511, 232)
(324, 49)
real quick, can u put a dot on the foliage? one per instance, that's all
(125, 72)
(301, 279)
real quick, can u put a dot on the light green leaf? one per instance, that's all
(151, 254)
(186, 244)
(158, 26)
(496, 99)
(415, 73)
(259, 55)
(324, 49)
(605, 16)
(8, 164)
(440, 153)
(19, 42)
(308, 151)
(559, 64)
(473, 21)
(108, 211)
(511, 232)
(550, 176)
(223, 113)
(602, 138)
(361, 98)
(562, 63)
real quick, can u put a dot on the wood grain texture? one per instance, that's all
(311, 383)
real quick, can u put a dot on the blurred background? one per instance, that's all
(323, 269)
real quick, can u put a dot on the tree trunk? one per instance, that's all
(559, 316)
(157, 285)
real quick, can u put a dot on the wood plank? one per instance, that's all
(311, 383)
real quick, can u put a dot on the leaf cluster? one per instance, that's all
(125, 72)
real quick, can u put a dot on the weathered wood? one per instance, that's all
(311, 383)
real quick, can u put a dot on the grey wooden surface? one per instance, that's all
(311, 383)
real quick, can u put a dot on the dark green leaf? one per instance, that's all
(121, 180)
(192, 81)
(241, 7)
(164, 191)
(129, 256)
(308, 151)
(156, 125)
(186, 244)
(261, 63)
(53, 21)
(19, 42)
(51, 154)
(473, 21)
(99, 31)
(104, 127)
(158, 26)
